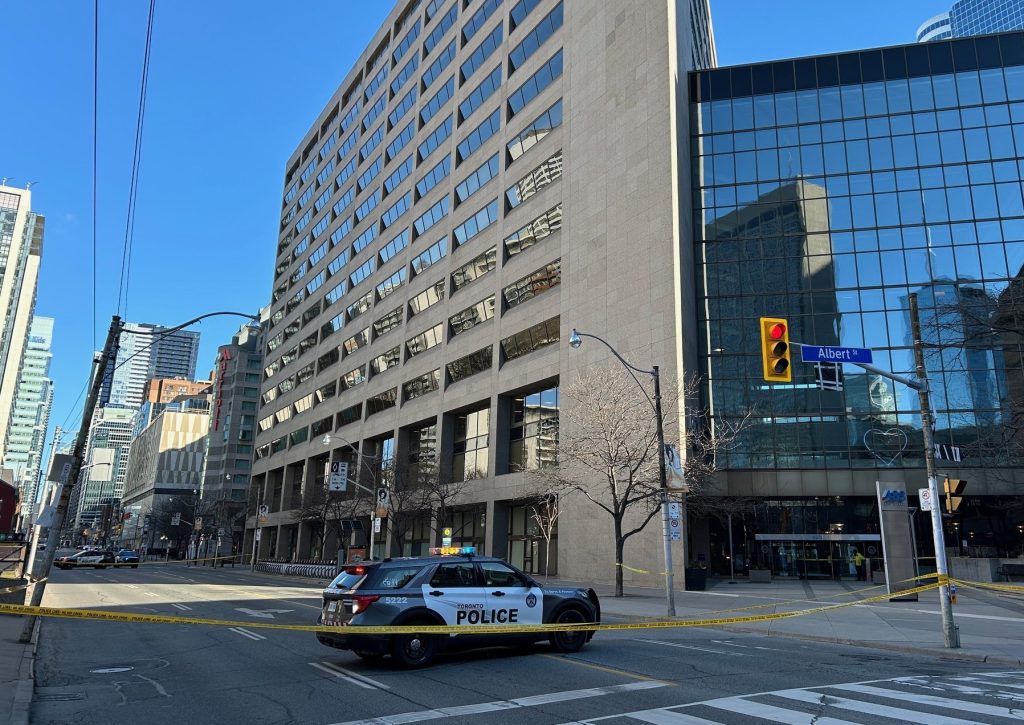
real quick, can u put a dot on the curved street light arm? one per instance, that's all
(627, 365)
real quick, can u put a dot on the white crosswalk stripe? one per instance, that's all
(960, 698)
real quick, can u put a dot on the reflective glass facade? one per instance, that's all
(826, 191)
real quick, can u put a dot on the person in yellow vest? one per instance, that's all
(858, 562)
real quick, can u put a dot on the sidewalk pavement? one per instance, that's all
(17, 677)
(991, 624)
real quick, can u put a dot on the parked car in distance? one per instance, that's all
(89, 557)
(127, 556)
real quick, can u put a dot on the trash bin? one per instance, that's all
(696, 580)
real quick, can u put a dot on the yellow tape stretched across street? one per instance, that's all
(440, 629)
(994, 586)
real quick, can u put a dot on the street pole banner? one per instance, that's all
(675, 478)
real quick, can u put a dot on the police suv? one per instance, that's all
(452, 586)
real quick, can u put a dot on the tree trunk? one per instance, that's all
(547, 559)
(620, 544)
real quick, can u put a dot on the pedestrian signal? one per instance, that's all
(775, 355)
(953, 487)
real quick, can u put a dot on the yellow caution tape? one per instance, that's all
(994, 586)
(440, 629)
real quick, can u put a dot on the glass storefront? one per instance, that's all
(528, 547)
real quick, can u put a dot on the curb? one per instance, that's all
(951, 655)
(25, 688)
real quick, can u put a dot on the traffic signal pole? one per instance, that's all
(34, 595)
(949, 633)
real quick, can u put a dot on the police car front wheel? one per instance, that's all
(569, 641)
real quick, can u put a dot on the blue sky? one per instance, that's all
(233, 86)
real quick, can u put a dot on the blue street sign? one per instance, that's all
(820, 353)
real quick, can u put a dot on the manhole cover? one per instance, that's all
(111, 670)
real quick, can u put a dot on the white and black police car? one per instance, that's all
(452, 586)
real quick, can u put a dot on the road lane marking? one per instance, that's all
(690, 646)
(748, 708)
(498, 705)
(604, 668)
(246, 633)
(662, 717)
(131, 586)
(182, 607)
(150, 594)
(746, 646)
(945, 702)
(871, 708)
(342, 674)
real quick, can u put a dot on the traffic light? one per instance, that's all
(775, 350)
(953, 487)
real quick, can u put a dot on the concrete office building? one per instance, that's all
(160, 393)
(827, 190)
(973, 17)
(26, 434)
(21, 250)
(486, 177)
(145, 353)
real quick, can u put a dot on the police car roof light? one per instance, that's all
(453, 550)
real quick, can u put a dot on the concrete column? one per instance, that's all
(496, 531)
(501, 424)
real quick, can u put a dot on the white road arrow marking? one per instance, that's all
(262, 613)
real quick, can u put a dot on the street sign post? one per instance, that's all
(338, 480)
(824, 353)
(925, 495)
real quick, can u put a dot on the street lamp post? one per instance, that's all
(575, 340)
(326, 440)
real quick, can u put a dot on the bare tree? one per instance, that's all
(607, 453)
(544, 511)
(441, 492)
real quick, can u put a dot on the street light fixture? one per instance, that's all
(575, 340)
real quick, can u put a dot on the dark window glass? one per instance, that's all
(536, 283)
(535, 39)
(531, 339)
(422, 385)
(475, 362)
(474, 269)
(381, 402)
(472, 316)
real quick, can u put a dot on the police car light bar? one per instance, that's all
(452, 550)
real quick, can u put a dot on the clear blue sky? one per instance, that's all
(233, 86)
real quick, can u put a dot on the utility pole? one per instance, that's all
(666, 527)
(949, 633)
(256, 531)
(34, 595)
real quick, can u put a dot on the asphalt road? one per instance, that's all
(112, 673)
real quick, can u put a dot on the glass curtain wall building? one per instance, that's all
(826, 191)
(973, 17)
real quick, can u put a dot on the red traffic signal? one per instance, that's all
(775, 355)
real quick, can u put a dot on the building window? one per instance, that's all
(398, 175)
(375, 110)
(531, 339)
(471, 441)
(435, 139)
(477, 20)
(366, 177)
(325, 393)
(475, 269)
(358, 340)
(387, 323)
(422, 452)
(396, 245)
(477, 137)
(368, 205)
(408, 70)
(438, 101)
(481, 53)
(533, 436)
(364, 271)
(434, 177)
(395, 147)
(536, 132)
(363, 240)
(407, 102)
(396, 211)
(431, 216)
(334, 325)
(548, 73)
(535, 39)
(406, 43)
(381, 402)
(427, 298)
(472, 316)
(525, 289)
(421, 385)
(352, 414)
(480, 94)
(476, 223)
(424, 341)
(434, 254)
(437, 67)
(386, 360)
(371, 143)
(519, 12)
(469, 365)
(353, 378)
(472, 183)
(360, 306)
(327, 359)
(530, 185)
(443, 26)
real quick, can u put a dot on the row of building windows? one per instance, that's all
(529, 340)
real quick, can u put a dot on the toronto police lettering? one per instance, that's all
(479, 615)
